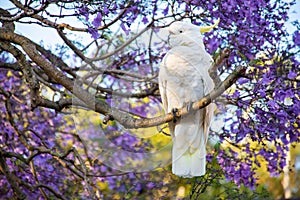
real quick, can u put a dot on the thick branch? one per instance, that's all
(56, 60)
(11, 66)
(23, 64)
(6, 24)
(30, 48)
(130, 122)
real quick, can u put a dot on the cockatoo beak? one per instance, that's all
(206, 29)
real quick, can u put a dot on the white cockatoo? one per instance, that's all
(183, 79)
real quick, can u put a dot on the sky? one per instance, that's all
(294, 14)
(37, 33)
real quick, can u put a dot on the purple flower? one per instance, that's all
(292, 74)
(105, 10)
(98, 20)
(150, 185)
(166, 10)
(94, 33)
(296, 38)
(236, 93)
(242, 81)
(138, 187)
(209, 157)
(266, 79)
(294, 137)
(273, 104)
(262, 92)
(125, 29)
(85, 12)
(145, 20)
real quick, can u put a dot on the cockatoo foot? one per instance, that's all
(188, 105)
(174, 112)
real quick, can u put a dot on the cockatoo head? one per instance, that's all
(184, 34)
(187, 34)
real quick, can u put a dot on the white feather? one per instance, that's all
(184, 78)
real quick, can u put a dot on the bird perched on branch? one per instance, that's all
(183, 79)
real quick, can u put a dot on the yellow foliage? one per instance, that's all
(9, 74)
(103, 185)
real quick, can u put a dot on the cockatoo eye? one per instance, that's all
(181, 31)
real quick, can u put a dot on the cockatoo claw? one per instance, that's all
(189, 105)
(174, 112)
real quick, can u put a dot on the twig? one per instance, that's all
(213, 70)
(18, 193)
(51, 190)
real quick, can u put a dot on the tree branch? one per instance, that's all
(213, 70)
(123, 45)
(26, 69)
(6, 24)
(18, 193)
(89, 101)
(130, 122)
(58, 195)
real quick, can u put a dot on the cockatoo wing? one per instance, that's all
(165, 93)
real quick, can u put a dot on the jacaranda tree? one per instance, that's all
(81, 119)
